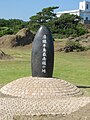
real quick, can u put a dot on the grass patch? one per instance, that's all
(73, 67)
(18, 67)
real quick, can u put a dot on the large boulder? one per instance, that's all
(22, 38)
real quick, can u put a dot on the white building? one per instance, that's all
(83, 11)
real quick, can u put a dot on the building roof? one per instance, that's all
(69, 11)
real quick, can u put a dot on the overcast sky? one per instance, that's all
(23, 9)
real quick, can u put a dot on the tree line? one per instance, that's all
(64, 26)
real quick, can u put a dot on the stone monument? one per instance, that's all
(41, 84)
(42, 53)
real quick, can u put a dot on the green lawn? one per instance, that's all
(73, 67)
(18, 67)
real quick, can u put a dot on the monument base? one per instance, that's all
(38, 87)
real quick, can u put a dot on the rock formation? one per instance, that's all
(22, 38)
(3, 55)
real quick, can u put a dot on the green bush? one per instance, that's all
(88, 47)
(5, 31)
(11, 26)
(73, 45)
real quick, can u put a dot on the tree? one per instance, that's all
(42, 18)
(68, 25)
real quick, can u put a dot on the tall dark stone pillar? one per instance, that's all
(42, 59)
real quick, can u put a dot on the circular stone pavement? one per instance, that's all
(34, 87)
(12, 107)
(31, 96)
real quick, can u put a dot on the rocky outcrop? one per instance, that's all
(22, 38)
(3, 55)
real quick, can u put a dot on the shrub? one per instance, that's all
(73, 45)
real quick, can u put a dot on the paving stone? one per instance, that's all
(40, 96)
(18, 106)
(33, 87)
